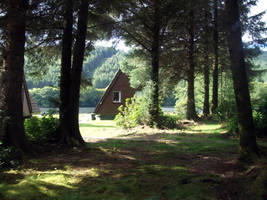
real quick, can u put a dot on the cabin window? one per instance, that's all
(116, 96)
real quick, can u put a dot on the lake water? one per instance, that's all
(85, 110)
(81, 110)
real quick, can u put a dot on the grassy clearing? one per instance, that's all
(140, 164)
(100, 129)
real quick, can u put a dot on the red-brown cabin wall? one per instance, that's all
(108, 107)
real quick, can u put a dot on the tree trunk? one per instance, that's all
(206, 105)
(77, 65)
(154, 107)
(215, 65)
(65, 74)
(191, 108)
(248, 145)
(12, 75)
(71, 75)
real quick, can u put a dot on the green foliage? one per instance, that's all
(3, 121)
(9, 157)
(46, 97)
(41, 130)
(181, 100)
(261, 61)
(226, 111)
(169, 121)
(136, 67)
(90, 97)
(42, 67)
(136, 110)
(134, 113)
(96, 60)
(104, 74)
(259, 102)
(169, 100)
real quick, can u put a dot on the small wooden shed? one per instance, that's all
(117, 92)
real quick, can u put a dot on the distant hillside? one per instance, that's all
(262, 61)
(101, 66)
(105, 73)
(103, 60)
(96, 59)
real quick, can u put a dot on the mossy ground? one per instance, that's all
(199, 162)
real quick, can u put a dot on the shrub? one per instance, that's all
(260, 118)
(10, 157)
(3, 121)
(232, 124)
(227, 113)
(259, 104)
(41, 130)
(90, 97)
(46, 97)
(135, 112)
(169, 121)
(132, 114)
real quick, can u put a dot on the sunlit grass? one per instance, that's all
(212, 128)
(138, 164)
(100, 129)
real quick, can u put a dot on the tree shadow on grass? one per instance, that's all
(128, 169)
(11, 178)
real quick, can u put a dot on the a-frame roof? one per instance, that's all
(113, 82)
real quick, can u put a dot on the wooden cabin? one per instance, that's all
(29, 105)
(117, 92)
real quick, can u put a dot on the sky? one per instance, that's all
(261, 6)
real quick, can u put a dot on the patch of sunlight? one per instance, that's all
(93, 172)
(128, 157)
(67, 167)
(178, 168)
(206, 128)
(56, 177)
(27, 189)
(161, 167)
(12, 171)
(101, 132)
(13, 192)
(110, 150)
(169, 142)
(89, 172)
(100, 129)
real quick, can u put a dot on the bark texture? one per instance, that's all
(206, 71)
(215, 64)
(12, 75)
(248, 145)
(71, 75)
(191, 108)
(154, 108)
(76, 72)
(65, 74)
